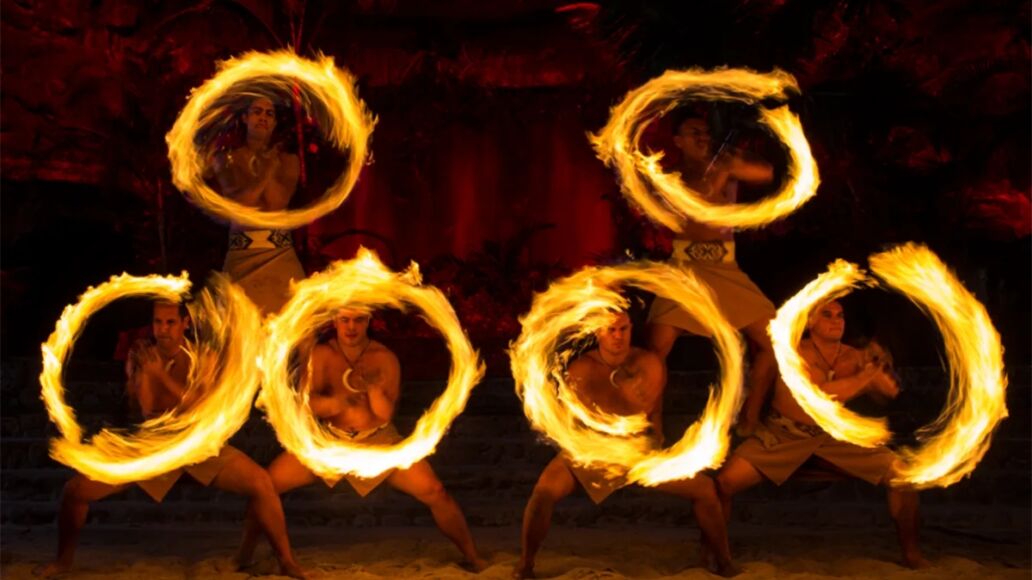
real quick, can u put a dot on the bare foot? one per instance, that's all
(523, 571)
(227, 565)
(916, 561)
(50, 570)
(241, 561)
(728, 570)
(476, 565)
(705, 556)
(293, 570)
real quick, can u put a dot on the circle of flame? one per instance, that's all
(617, 145)
(174, 439)
(575, 307)
(363, 282)
(954, 443)
(350, 127)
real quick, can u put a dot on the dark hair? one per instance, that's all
(282, 112)
(686, 113)
(229, 131)
(181, 306)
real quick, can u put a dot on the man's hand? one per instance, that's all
(724, 161)
(868, 376)
(885, 384)
(150, 362)
(270, 164)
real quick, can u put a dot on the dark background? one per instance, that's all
(917, 113)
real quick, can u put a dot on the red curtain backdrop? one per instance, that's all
(461, 184)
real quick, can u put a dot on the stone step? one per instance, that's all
(484, 480)
(387, 507)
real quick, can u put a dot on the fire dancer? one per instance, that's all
(789, 438)
(259, 174)
(354, 384)
(625, 380)
(157, 384)
(709, 253)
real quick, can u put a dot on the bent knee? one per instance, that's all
(548, 493)
(280, 481)
(260, 484)
(433, 494)
(74, 490)
(705, 487)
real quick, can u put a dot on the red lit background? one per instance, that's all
(918, 114)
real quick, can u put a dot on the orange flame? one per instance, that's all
(957, 440)
(785, 332)
(231, 330)
(349, 130)
(362, 282)
(577, 306)
(617, 145)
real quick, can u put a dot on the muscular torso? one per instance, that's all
(241, 169)
(370, 371)
(638, 386)
(716, 188)
(848, 363)
(142, 386)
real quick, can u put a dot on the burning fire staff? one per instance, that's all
(259, 174)
(789, 438)
(354, 384)
(709, 253)
(157, 384)
(624, 380)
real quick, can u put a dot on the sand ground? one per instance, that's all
(569, 553)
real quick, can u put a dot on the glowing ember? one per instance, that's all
(575, 307)
(362, 282)
(785, 332)
(617, 145)
(350, 126)
(230, 332)
(956, 441)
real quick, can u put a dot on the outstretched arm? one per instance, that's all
(752, 171)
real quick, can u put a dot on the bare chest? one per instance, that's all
(620, 391)
(350, 376)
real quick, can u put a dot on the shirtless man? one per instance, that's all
(789, 437)
(623, 380)
(157, 383)
(709, 253)
(259, 174)
(354, 386)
